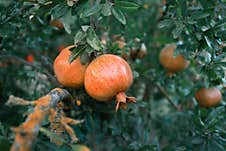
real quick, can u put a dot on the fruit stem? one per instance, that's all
(121, 99)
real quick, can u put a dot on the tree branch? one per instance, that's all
(50, 76)
(52, 105)
(163, 91)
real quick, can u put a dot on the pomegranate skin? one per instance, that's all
(171, 63)
(208, 97)
(69, 74)
(107, 76)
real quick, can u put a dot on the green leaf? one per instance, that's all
(165, 23)
(76, 52)
(177, 31)
(79, 37)
(221, 24)
(93, 40)
(59, 10)
(200, 15)
(67, 20)
(119, 15)
(221, 63)
(91, 11)
(106, 10)
(84, 58)
(85, 28)
(208, 42)
(127, 5)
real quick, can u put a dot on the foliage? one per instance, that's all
(166, 116)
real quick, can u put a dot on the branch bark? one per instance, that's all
(51, 105)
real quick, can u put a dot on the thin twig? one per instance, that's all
(92, 22)
(50, 76)
(163, 91)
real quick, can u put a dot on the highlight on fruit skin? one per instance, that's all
(108, 77)
(69, 74)
(208, 97)
(170, 62)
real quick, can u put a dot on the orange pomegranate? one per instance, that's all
(80, 148)
(208, 97)
(109, 76)
(171, 63)
(69, 74)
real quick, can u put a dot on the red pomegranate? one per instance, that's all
(30, 58)
(208, 97)
(109, 76)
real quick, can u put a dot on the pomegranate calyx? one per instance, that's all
(170, 74)
(121, 99)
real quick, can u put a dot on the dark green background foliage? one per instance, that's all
(197, 26)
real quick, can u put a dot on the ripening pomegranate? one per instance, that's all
(109, 76)
(56, 23)
(171, 63)
(69, 74)
(80, 148)
(208, 97)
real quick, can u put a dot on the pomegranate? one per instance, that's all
(142, 52)
(171, 63)
(109, 76)
(30, 58)
(57, 23)
(80, 148)
(69, 74)
(208, 97)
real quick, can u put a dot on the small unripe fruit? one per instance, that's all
(56, 23)
(142, 52)
(121, 43)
